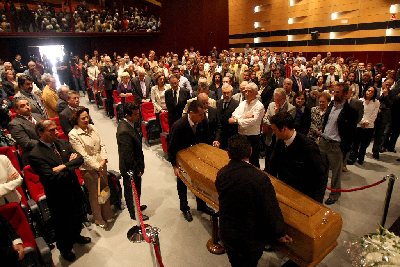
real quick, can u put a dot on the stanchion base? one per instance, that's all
(215, 248)
(135, 234)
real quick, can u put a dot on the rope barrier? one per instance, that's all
(155, 243)
(357, 188)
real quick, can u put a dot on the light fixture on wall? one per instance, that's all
(334, 15)
(332, 35)
(292, 2)
(257, 40)
(257, 25)
(257, 9)
(290, 38)
(290, 20)
(393, 9)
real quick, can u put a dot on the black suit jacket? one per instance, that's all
(65, 122)
(181, 136)
(347, 124)
(249, 211)
(227, 130)
(308, 82)
(110, 77)
(23, 131)
(63, 191)
(130, 151)
(273, 84)
(214, 125)
(175, 110)
(303, 122)
(300, 166)
(18, 67)
(137, 90)
(295, 84)
(267, 96)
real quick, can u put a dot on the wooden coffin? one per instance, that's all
(313, 227)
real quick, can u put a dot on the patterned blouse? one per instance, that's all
(317, 119)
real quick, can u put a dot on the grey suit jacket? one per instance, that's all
(138, 90)
(36, 104)
(23, 131)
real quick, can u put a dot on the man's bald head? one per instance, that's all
(203, 98)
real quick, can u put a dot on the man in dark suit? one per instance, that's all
(65, 116)
(17, 65)
(189, 130)
(55, 162)
(296, 159)
(131, 156)
(11, 248)
(142, 87)
(276, 81)
(250, 216)
(22, 127)
(213, 124)
(331, 78)
(175, 99)
(109, 73)
(267, 92)
(296, 79)
(309, 80)
(25, 86)
(225, 108)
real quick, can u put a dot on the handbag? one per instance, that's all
(103, 195)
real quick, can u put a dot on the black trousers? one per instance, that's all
(182, 193)
(391, 143)
(255, 146)
(240, 258)
(382, 127)
(110, 102)
(128, 194)
(361, 142)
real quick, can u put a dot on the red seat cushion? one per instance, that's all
(164, 122)
(15, 216)
(33, 183)
(11, 154)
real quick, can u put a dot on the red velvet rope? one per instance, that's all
(357, 188)
(156, 247)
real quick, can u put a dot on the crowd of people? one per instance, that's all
(281, 104)
(47, 18)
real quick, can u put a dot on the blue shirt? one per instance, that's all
(331, 131)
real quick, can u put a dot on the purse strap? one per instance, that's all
(98, 185)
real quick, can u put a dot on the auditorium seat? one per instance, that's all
(150, 127)
(118, 102)
(61, 134)
(37, 193)
(13, 213)
(164, 131)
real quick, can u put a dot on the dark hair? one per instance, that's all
(374, 95)
(239, 147)
(175, 68)
(299, 93)
(75, 116)
(194, 106)
(345, 86)
(283, 119)
(129, 108)
(23, 78)
(215, 74)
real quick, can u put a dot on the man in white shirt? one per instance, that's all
(248, 115)
(183, 81)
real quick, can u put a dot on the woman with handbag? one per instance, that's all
(86, 141)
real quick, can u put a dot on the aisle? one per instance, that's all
(184, 244)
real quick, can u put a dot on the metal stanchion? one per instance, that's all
(143, 232)
(392, 178)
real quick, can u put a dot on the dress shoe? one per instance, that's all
(83, 240)
(144, 217)
(382, 150)
(344, 169)
(375, 155)
(361, 162)
(187, 215)
(207, 210)
(392, 150)
(330, 201)
(143, 207)
(69, 256)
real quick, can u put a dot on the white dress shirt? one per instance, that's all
(8, 188)
(370, 112)
(249, 126)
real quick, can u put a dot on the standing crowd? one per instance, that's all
(304, 116)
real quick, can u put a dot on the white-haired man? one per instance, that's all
(248, 116)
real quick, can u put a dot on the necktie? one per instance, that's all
(299, 84)
(225, 105)
(53, 146)
(31, 119)
(194, 128)
(175, 100)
